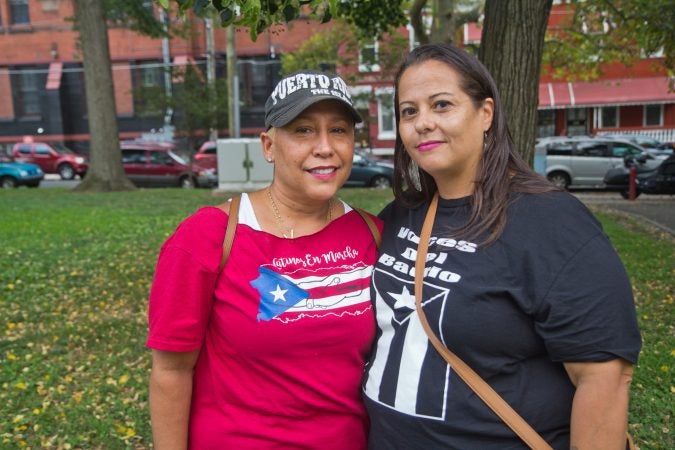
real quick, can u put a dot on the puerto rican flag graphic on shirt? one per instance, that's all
(405, 344)
(312, 294)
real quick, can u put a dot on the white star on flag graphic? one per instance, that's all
(279, 294)
(404, 300)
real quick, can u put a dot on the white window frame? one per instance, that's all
(598, 117)
(364, 67)
(644, 116)
(381, 94)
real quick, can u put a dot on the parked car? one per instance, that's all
(207, 155)
(639, 139)
(367, 171)
(156, 164)
(583, 161)
(658, 180)
(14, 174)
(52, 158)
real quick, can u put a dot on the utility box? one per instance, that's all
(241, 165)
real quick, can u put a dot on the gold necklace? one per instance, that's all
(280, 220)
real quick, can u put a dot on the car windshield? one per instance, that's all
(178, 158)
(60, 148)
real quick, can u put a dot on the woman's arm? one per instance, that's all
(600, 407)
(170, 397)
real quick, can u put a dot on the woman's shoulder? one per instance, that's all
(397, 208)
(561, 201)
(206, 225)
(555, 211)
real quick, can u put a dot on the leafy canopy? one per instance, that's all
(371, 17)
(602, 31)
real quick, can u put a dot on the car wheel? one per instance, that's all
(66, 172)
(187, 182)
(380, 182)
(8, 183)
(559, 179)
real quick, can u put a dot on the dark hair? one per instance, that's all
(501, 170)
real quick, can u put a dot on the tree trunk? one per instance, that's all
(105, 171)
(444, 27)
(512, 45)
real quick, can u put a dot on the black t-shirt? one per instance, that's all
(550, 290)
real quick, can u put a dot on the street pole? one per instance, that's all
(211, 77)
(166, 61)
(232, 85)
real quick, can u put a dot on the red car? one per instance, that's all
(155, 164)
(207, 155)
(52, 158)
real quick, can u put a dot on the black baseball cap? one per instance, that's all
(300, 90)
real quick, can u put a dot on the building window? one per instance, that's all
(546, 123)
(386, 119)
(609, 117)
(27, 91)
(18, 10)
(148, 82)
(255, 80)
(368, 58)
(653, 115)
(576, 122)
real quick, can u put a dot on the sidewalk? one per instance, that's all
(656, 210)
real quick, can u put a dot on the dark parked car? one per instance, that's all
(659, 180)
(15, 174)
(156, 164)
(52, 158)
(639, 139)
(367, 171)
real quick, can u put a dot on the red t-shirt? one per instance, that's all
(283, 339)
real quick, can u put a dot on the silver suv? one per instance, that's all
(582, 161)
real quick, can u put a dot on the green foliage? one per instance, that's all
(134, 15)
(338, 47)
(196, 106)
(371, 17)
(332, 47)
(393, 48)
(74, 281)
(600, 31)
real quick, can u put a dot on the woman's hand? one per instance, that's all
(600, 407)
(170, 396)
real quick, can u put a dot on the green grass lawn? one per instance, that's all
(75, 270)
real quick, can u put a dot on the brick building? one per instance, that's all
(42, 81)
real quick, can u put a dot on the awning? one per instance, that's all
(54, 76)
(616, 92)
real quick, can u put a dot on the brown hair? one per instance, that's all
(501, 170)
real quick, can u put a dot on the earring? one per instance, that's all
(269, 159)
(485, 136)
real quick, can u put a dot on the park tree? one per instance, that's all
(600, 32)
(375, 18)
(512, 42)
(105, 171)
(196, 105)
(445, 18)
(512, 51)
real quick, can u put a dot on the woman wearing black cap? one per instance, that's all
(269, 351)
